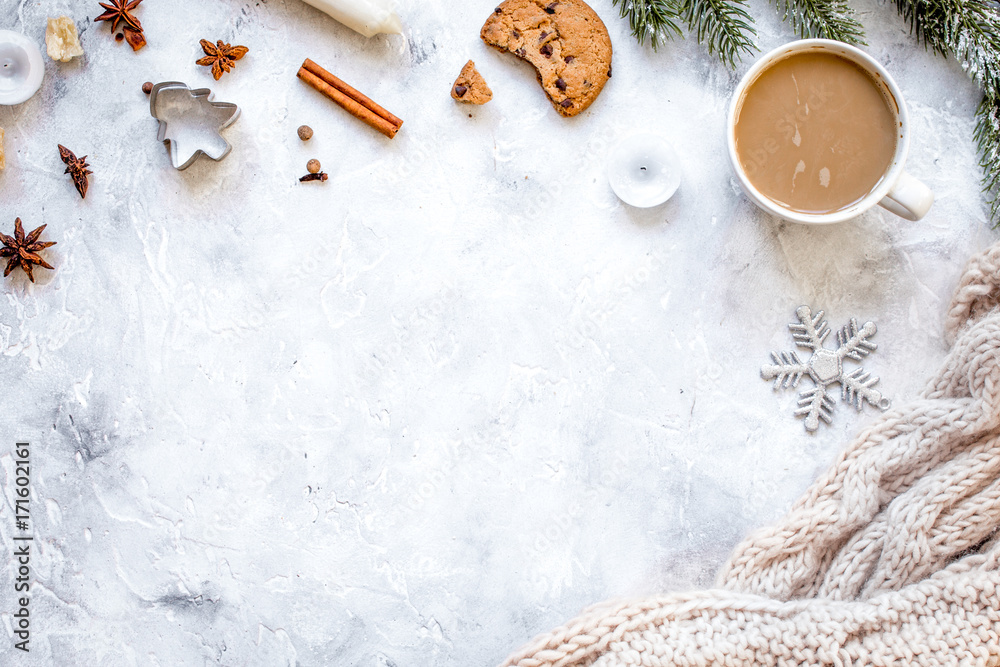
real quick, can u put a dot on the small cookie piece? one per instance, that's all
(470, 86)
(565, 41)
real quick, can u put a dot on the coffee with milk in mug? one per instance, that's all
(815, 133)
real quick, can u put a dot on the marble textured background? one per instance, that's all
(419, 413)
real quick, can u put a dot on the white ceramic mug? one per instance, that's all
(896, 191)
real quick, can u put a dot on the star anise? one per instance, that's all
(77, 168)
(120, 11)
(23, 250)
(220, 56)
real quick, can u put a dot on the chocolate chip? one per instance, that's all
(543, 36)
(551, 9)
(498, 11)
(461, 90)
(515, 34)
(566, 104)
(521, 52)
(569, 59)
(560, 84)
(546, 50)
(609, 72)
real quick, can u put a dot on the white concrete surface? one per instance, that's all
(416, 414)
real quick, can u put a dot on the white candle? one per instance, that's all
(21, 68)
(368, 17)
(643, 170)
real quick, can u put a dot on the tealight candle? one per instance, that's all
(643, 170)
(21, 68)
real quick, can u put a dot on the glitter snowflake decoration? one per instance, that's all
(826, 367)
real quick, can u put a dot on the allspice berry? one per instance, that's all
(313, 166)
(305, 132)
(147, 87)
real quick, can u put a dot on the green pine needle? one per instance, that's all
(652, 20)
(724, 25)
(987, 136)
(826, 19)
(969, 30)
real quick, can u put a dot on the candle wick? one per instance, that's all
(643, 168)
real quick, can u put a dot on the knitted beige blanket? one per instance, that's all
(891, 558)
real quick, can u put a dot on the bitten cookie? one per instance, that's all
(564, 40)
(470, 86)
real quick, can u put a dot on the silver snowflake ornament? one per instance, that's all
(826, 367)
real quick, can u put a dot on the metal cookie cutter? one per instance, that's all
(190, 121)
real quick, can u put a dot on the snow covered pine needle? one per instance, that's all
(969, 30)
(724, 26)
(826, 19)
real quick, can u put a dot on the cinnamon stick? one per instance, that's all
(310, 66)
(357, 104)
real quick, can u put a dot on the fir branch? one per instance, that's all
(724, 25)
(827, 19)
(654, 20)
(987, 136)
(969, 30)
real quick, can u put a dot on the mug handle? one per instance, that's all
(908, 198)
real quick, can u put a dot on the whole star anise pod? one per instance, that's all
(120, 11)
(220, 56)
(77, 168)
(23, 250)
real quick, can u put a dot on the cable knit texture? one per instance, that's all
(892, 557)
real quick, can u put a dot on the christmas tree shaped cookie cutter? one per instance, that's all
(191, 122)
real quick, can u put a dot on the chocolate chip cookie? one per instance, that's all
(470, 86)
(566, 42)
